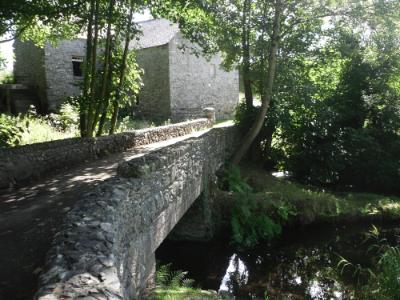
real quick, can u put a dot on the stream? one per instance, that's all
(301, 264)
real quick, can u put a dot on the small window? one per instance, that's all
(77, 65)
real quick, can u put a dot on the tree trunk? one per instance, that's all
(83, 109)
(269, 82)
(92, 95)
(102, 101)
(115, 113)
(107, 99)
(246, 54)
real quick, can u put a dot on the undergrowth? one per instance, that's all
(383, 281)
(252, 220)
(174, 285)
(33, 128)
(264, 204)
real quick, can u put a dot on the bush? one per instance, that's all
(244, 117)
(350, 139)
(12, 130)
(253, 220)
(67, 119)
(33, 128)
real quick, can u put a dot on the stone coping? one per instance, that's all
(25, 163)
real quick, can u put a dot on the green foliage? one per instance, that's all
(251, 221)
(307, 204)
(339, 124)
(383, 277)
(384, 282)
(264, 204)
(245, 116)
(174, 285)
(5, 76)
(132, 83)
(11, 131)
(67, 119)
(167, 278)
(233, 181)
(33, 128)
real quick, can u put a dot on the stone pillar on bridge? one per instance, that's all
(209, 113)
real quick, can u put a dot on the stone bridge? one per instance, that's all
(106, 249)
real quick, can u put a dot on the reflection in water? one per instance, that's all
(236, 276)
(301, 265)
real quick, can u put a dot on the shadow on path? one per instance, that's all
(31, 215)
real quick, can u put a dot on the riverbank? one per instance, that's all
(309, 204)
(314, 217)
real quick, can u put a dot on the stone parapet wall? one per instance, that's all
(21, 164)
(106, 247)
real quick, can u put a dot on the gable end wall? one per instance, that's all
(61, 82)
(197, 83)
(154, 97)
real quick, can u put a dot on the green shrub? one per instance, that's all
(251, 220)
(244, 117)
(12, 130)
(33, 128)
(67, 119)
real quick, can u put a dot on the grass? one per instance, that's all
(313, 205)
(39, 130)
(34, 128)
(183, 293)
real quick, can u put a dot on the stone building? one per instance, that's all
(177, 83)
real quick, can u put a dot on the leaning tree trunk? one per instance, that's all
(269, 82)
(246, 54)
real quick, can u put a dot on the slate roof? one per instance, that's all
(155, 33)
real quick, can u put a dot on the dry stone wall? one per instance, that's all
(21, 164)
(106, 248)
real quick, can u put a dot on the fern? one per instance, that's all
(250, 222)
(167, 278)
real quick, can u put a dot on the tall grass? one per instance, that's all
(383, 278)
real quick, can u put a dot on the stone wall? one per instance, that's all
(61, 82)
(197, 83)
(24, 163)
(154, 97)
(106, 248)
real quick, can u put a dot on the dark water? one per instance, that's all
(302, 264)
